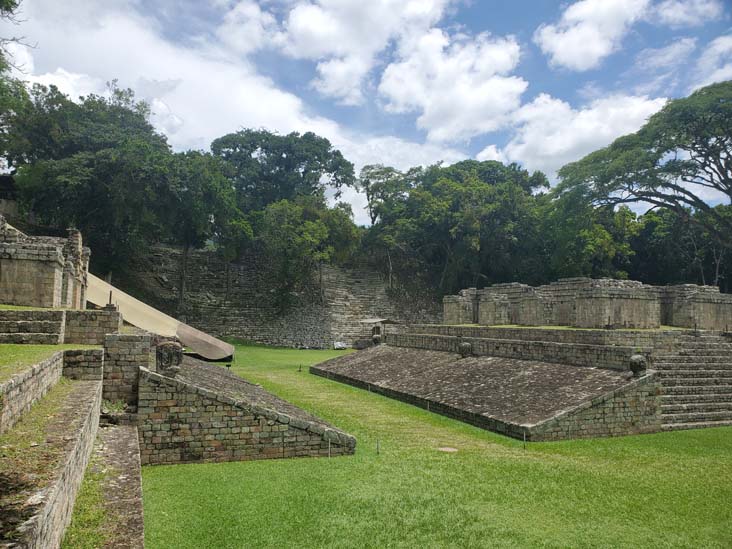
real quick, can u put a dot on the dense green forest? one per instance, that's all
(98, 164)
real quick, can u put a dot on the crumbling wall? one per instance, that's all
(237, 299)
(594, 303)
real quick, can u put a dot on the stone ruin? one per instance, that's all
(156, 405)
(42, 271)
(592, 303)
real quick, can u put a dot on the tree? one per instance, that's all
(201, 206)
(674, 161)
(265, 167)
(97, 165)
(294, 244)
(8, 9)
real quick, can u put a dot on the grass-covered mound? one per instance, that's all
(663, 490)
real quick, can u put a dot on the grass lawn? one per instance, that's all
(664, 490)
(16, 358)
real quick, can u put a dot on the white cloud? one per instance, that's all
(661, 68)
(686, 13)
(588, 31)
(246, 28)
(460, 86)
(345, 37)
(715, 62)
(550, 133)
(196, 93)
(491, 152)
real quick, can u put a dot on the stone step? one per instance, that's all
(55, 315)
(696, 407)
(696, 373)
(667, 368)
(31, 339)
(30, 326)
(674, 381)
(695, 425)
(696, 398)
(706, 359)
(691, 417)
(701, 351)
(673, 390)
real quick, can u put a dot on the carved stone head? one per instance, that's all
(638, 365)
(465, 349)
(169, 355)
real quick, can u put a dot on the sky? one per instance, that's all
(394, 82)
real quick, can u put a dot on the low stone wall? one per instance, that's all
(658, 340)
(599, 356)
(84, 365)
(47, 526)
(90, 327)
(24, 389)
(124, 355)
(180, 422)
(631, 410)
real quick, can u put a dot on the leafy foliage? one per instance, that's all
(675, 161)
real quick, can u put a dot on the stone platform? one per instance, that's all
(538, 400)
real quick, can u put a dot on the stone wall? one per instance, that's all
(90, 327)
(631, 410)
(698, 307)
(84, 365)
(21, 391)
(30, 275)
(599, 356)
(179, 422)
(592, 303)
(656, 339)
(618, 308)
(47, 526)
(124, 355)
(42, 271)
(236, 299)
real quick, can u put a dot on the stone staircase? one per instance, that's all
(41, 327)
(697, 382)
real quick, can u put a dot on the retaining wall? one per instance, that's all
(45, 529)
(599, 356)
(90, 327)
(631, 410)
(179, 422)
(124, 355)
(22, 390)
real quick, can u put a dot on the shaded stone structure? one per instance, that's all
(592, 303)
(42, 271)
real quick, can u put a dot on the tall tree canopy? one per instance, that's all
(266, 167)
(674, 161)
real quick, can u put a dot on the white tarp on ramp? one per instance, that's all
(147, 318)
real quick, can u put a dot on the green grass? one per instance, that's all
(4, 307)
(663, 490)
(16, 358)
(90, 517)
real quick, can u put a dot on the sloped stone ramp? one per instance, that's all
(208, 414)
(538, 400)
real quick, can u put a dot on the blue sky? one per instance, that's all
(399, 82)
